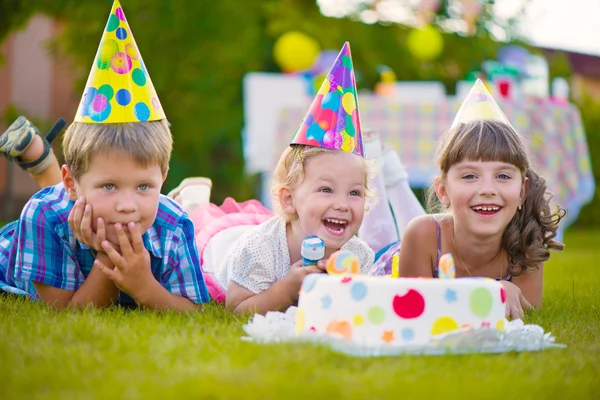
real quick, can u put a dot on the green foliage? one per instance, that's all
(197, 53)
(135, 354)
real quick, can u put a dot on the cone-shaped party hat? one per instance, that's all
(479, 104)
(333, 120)
(118, 88)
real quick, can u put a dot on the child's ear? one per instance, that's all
(286, 201)
(440, 191)
(164, 178)
(69, 182)
(524, 190)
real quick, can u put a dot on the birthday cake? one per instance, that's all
(375, 311)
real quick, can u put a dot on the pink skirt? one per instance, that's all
(210, 219)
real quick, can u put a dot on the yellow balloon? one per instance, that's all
(425, 44)
(295, 51)
(349, 103)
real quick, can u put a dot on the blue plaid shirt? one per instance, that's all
(40, 247)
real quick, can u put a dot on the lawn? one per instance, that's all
(139, 354)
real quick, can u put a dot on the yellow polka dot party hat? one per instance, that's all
(118, 88)
(479, 104)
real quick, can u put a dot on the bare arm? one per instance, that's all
(279, 296)
(156, 297)
(532, 286)
(416, 248)
(97, 290)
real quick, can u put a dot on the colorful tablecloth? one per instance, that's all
(555, 139)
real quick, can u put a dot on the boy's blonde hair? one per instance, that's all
(289, 173)
(148, 143)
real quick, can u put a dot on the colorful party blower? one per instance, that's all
(446, 267)
(479, 104)
(333, 120)
(118, 88)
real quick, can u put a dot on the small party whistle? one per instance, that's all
(313, 249)
(446, 269)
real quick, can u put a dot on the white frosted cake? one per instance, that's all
(374, 311)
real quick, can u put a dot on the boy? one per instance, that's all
(103, 233)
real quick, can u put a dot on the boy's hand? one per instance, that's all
(80, 222)
(132, 273)
(296, 275)
(515, 301)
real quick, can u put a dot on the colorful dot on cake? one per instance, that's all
(342, 328)
(500, 325)
(409, 306)
(309, 282)
(408, 334)
(358, 320)
(481, 302)
(376, 315)
(387, 336)
(299, 320)
(326, 301)
(343, 262)
(446, 269)
(503, 295)
(443, 325)
(358, 291)
(451, 296)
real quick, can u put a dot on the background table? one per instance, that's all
(554, 135)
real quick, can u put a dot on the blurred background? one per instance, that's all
(236, 77)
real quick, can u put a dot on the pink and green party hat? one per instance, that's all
(479, 104)
(118, 88)
(333, 120)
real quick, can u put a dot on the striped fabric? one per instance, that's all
(40, 247)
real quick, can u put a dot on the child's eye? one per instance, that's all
(143, 187)
(325, 190)
(109, 186)
(356, 193)
(504, 176)
(469, 176)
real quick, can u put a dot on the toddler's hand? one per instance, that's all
(296, 275)
(515, 301)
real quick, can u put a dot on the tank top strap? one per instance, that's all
(435, 272)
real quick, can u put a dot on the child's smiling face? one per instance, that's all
(483, 195)
(330, 201)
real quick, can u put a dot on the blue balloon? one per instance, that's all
(315, 132)
(331, 101)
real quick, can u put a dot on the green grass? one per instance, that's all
(134, 354)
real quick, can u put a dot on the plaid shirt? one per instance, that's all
(40, 247)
